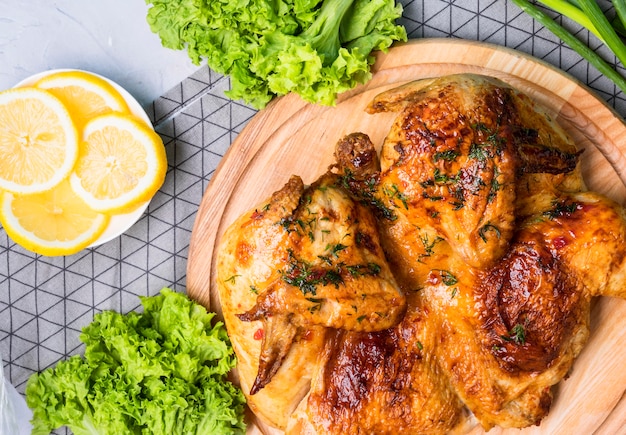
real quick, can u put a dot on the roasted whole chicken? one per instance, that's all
(443, 282)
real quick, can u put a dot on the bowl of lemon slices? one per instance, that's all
(79, 161)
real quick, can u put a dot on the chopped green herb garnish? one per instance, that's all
(365, 192)
(488, 227)
(561, 208)
(478, 152)
(429, 245)
(517, 334)
(337, 248)
(369, 269)
(393, 192)
(448, 155)
(232, 279)
(447, 277)
(307, 276)
(432, 197)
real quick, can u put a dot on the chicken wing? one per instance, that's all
(312, 258)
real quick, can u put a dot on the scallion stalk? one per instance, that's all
(620, 9)
(602, 24)
(572, 12)
(591, 56)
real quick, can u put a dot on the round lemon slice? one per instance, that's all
(55, 222)
(121, 164)
(86, 95)
(38, 140)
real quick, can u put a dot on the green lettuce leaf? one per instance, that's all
(162, 371)
(314, 48)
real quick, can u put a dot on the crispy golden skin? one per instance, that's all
(498, 250)
(454, 154)
(308, 258)
(494, 342)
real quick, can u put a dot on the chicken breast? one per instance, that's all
(454, 154)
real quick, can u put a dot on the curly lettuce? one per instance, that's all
(314, 48)
(162, 371)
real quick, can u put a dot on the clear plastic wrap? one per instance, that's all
(14, 414)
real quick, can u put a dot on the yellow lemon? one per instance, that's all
(121, 163)
(86, 95)
(55, 222)
(38, 140)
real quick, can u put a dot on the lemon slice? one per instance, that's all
(38, 140)
(121, 164)
(86, 95)
(55, 222)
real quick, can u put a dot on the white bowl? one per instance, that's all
(118, 223)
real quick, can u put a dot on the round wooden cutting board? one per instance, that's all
(293, 137)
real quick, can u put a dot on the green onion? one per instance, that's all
(591, 56)
(572, 12)
(609, 36)
(619, 24)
